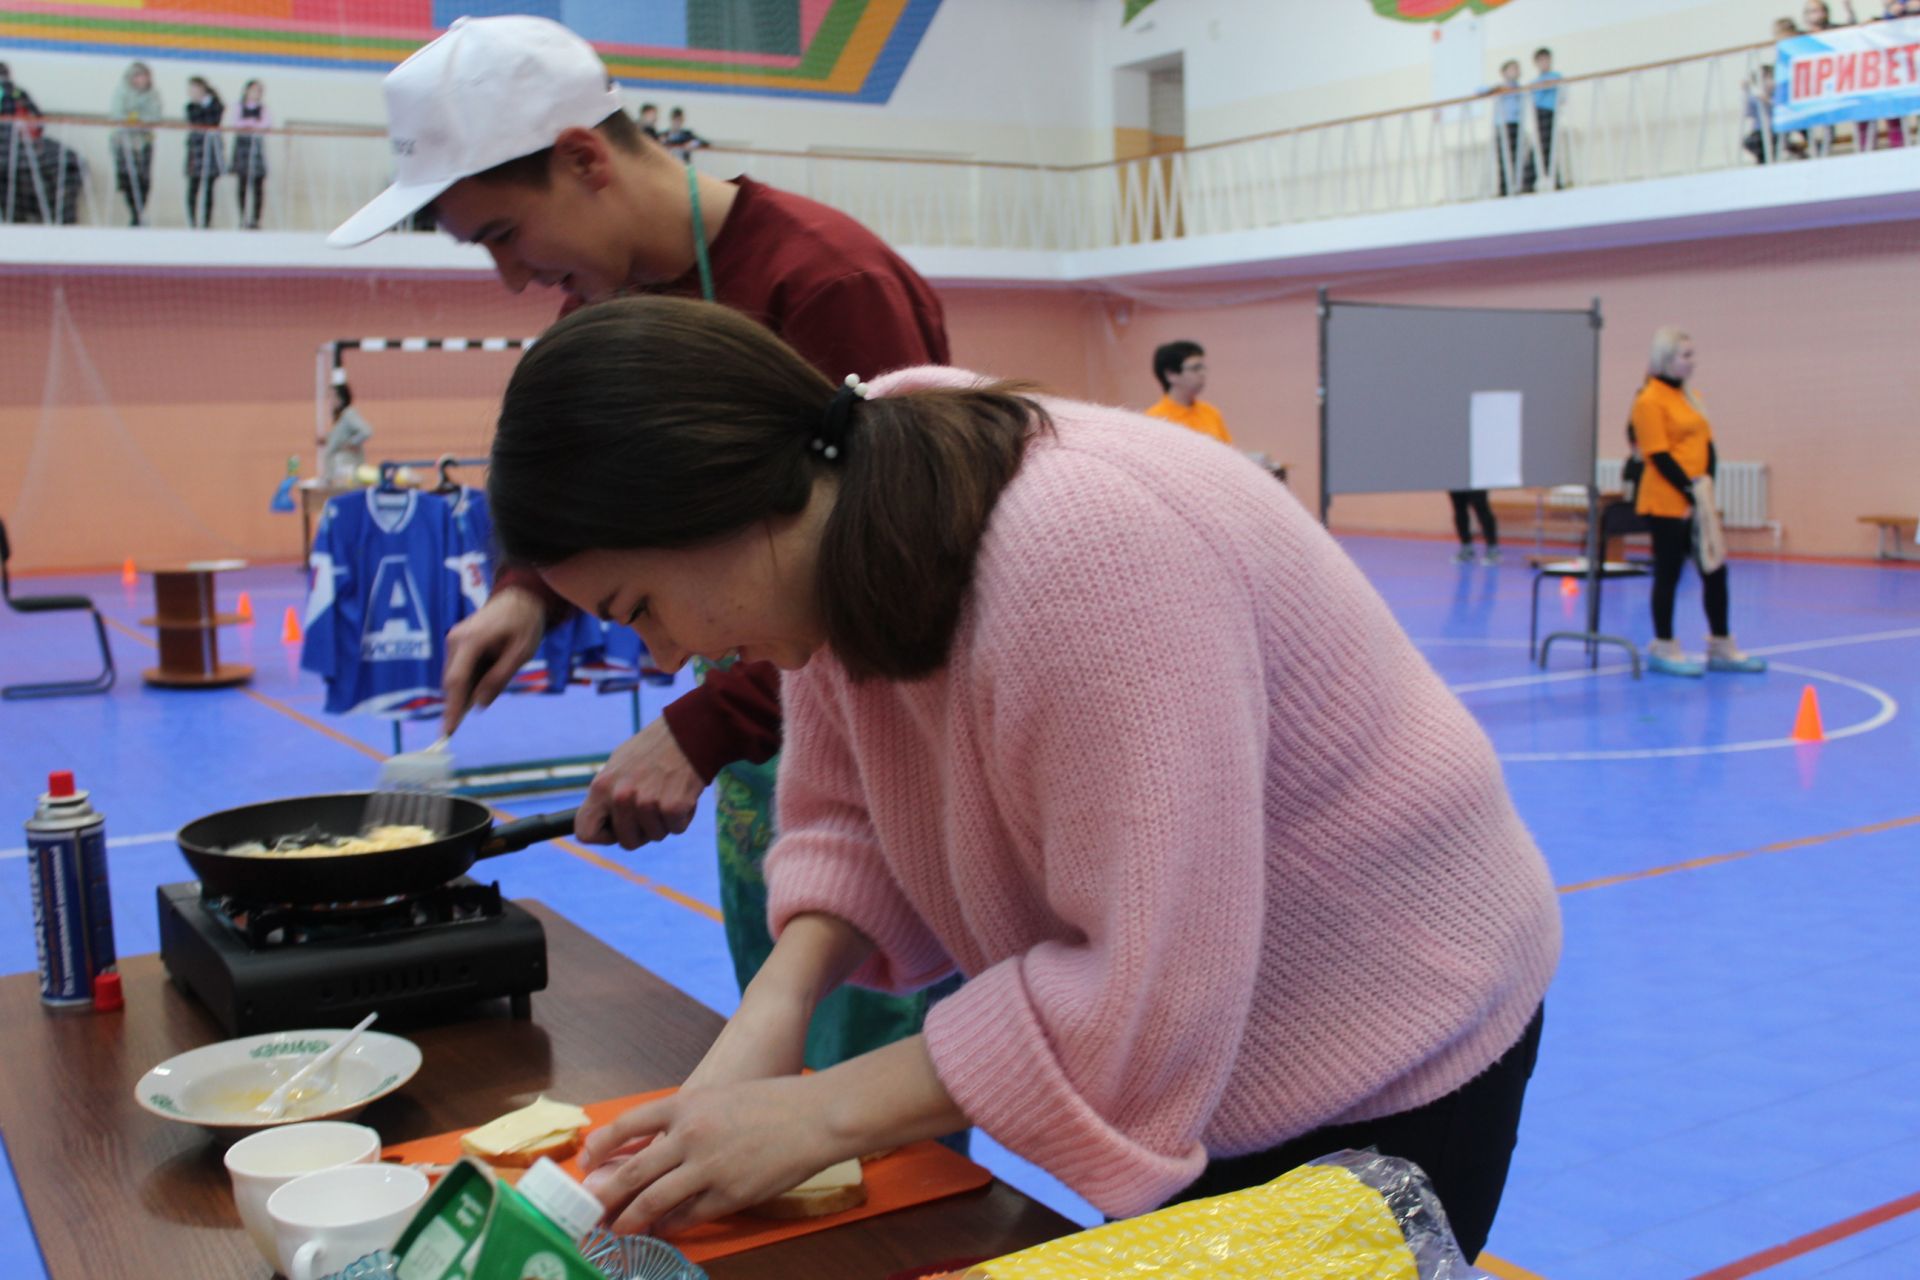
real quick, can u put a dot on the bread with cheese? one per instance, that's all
(541, 1128)
(832, 1190)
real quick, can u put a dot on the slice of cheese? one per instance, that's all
(833, 1177)
(539, 1128)
(833, 1190)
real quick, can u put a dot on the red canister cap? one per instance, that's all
(60, 783)
(106, 992)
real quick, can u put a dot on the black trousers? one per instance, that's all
(1543, 122)
(1477, 499)
(133, 174)
(1672, 548)
(1464, 1143)
(200, 200)
(1514, 154)
(256, 187)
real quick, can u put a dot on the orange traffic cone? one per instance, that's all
(1569, 586)
(290, 629)
(244, 609)
(1806, 725)
(127, 576)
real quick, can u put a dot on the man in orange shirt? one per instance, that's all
(1182, 370)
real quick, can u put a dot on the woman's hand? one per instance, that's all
(704, 1153)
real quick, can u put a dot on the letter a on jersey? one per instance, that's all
(396, 626)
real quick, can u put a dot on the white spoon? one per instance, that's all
(275, 1104)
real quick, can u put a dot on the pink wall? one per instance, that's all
(155, 418)
(1805, 363)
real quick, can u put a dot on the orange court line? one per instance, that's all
(129, 632)
(317, 726)
(666, 891)
(1496, 1266)
(1766, 1258)
(1714, 860)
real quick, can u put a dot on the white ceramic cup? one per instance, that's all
(261, 1163)
(324, 1221)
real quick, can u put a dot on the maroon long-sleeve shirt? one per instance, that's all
(840, 297)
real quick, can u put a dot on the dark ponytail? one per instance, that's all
(662, 422)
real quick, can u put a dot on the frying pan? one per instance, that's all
(346, 877)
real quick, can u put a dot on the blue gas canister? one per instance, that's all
(72, 909)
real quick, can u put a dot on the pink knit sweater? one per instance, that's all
(1222, 859)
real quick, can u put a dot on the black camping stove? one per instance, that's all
(421, 957)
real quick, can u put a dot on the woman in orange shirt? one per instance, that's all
(1673, 435)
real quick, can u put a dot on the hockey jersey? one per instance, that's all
(388, 572)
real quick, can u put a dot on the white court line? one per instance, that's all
(1911, 633)
(113, 842)
(1552, 677)
(1888, 709)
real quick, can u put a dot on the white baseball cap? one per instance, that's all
(489, 90)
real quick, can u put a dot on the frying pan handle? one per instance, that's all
(511, 837)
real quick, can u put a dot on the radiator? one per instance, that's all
(1741, 488)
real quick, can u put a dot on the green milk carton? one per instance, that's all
(476, 1227)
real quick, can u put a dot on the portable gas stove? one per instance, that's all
(266, 967)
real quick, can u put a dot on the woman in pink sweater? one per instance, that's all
(1081, 706)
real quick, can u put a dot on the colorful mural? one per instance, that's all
(1433, 10)
(843, 50)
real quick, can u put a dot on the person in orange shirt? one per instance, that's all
(1673, 435)
(1181, 368)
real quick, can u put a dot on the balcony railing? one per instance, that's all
(1678, 117)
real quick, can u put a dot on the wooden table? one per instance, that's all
(113, 1191)
(189, 627)
(1894, 533)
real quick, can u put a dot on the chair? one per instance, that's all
(53, 604)
(1617, 519)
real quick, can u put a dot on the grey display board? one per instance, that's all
(1400, 383)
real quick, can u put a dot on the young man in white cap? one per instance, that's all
(511, 129)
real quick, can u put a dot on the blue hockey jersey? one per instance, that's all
(388, 583)
(576, 639)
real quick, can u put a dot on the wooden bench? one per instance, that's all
(1895, 532)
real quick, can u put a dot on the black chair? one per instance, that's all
(1617, 520)
(53, 604)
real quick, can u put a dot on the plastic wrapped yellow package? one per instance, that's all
(1349, 1216)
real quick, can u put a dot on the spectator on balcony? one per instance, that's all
(1785, 28)
(1672, 432)
(1758, 121)
(650, 120)
(1510, 144)
(1818, 15)
(679, 139)
(135, 100)
(204, 112)
(19, 146)
(250, 120)
(1181, 368)
(1546, 101)
(15, 102)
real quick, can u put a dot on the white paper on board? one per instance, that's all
(1494, 440)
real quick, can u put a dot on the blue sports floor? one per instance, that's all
(1730, 1078)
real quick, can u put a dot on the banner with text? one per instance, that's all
(1869, 72)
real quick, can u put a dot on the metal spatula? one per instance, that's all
(415, 790)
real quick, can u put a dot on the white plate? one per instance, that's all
(218, 1086)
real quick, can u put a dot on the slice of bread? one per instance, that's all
(541, 1128)
(832, 1190)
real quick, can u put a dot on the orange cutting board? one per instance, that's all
(912, 1175)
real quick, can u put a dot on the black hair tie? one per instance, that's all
(833, 424)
